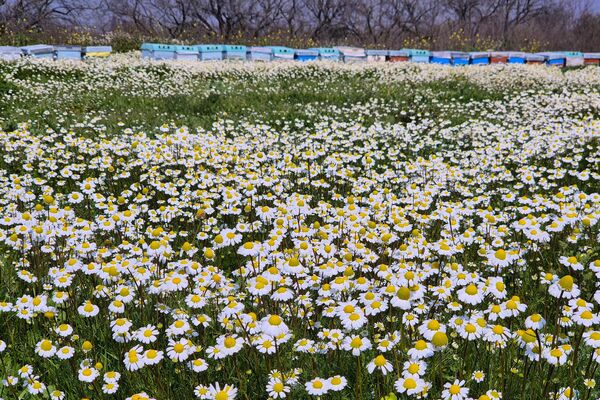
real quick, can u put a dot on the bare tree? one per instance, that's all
(327, 17)
(518, 12)
(511, 23)
(470, 15)
(34, 14)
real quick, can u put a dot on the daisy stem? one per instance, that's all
(574, 361)
(589, 365)
(462, 362)
(547, 384)
(359, 377)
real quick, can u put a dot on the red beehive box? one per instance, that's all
(591, 59)
(498, 57)
(398, 56)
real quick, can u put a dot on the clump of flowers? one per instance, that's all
(344, 259)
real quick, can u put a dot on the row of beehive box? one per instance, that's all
(207, 52)
(55, 52)
(350, 54)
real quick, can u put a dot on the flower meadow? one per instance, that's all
(282, 231)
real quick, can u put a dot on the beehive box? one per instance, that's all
(260, 54)
(306, 55)
(499, 57)
(534, 58)
(38, 51)
(553, 59)
(186, 53)
(157, 51)
(377, 55)
(327, 53)
(441, 57)
(573, 58)
(69, 52)
(235, 52)
(97, 51)
(352, 54)
(591, 58)
(282, 53)
(10, 53)
(479, 58)
(460, 58)
(211, 52)
(515, 57)
(418, 55)
(398, 56)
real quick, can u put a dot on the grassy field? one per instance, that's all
(255, 231)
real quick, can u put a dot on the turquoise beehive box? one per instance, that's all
(234, 52)
(282, 53)
(210, 52)
(327, 53)
(418, 55)
(157, 51)
(186, 53)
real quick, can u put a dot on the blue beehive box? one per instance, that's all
(441, 57)
(38, 51)
(377, 55)
(158, 51)
(186, 53)
(460, 58)
(515, 57)
(97, 51)
(352, 54)
(553, 59)
(306, 55)
(418, 55)
(282, 53)
(68, 52)
(9, 53)
(479, 58)
(328, 53)
(260, 54)
(211, 52)
(234, 52)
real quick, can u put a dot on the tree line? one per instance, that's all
(436, 24)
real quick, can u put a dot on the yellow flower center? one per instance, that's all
(454, 389)
(46, 345)
(471, 290)
(500, 254)
(440, 339)
(409, 383)
(229, 342)
(566, 282)
(380, 361)
(178, 348)
(222, 395)
(421, 345)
